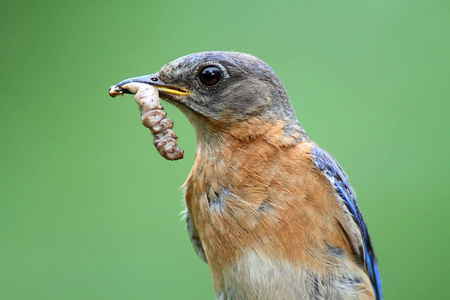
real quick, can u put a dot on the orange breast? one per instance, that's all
(253, 194)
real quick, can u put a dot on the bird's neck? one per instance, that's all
(279, 133)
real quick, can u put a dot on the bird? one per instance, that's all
(271, 213)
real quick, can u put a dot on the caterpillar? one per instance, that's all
(153, 117)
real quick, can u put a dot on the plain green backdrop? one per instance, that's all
(89, 210)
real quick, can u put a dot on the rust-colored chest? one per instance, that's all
(255, 195)
(260, 206)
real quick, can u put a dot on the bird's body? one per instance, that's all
(268, 220)
(271, 213)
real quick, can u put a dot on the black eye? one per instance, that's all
(210, 75)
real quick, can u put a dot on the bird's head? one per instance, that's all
(218, 90)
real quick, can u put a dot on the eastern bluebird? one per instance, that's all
(270, 212)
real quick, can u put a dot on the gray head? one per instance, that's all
(223, 88)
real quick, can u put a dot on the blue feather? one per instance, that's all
(336, 175)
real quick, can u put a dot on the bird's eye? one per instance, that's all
(210, 75)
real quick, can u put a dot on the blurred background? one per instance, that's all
(88, 208)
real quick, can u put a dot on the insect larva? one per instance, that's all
(153, 117)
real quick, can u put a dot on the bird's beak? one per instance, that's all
(153, 79)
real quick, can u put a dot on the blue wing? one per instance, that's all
(337, 177)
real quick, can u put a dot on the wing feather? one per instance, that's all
(339, 180)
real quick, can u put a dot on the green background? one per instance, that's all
(89, 210)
